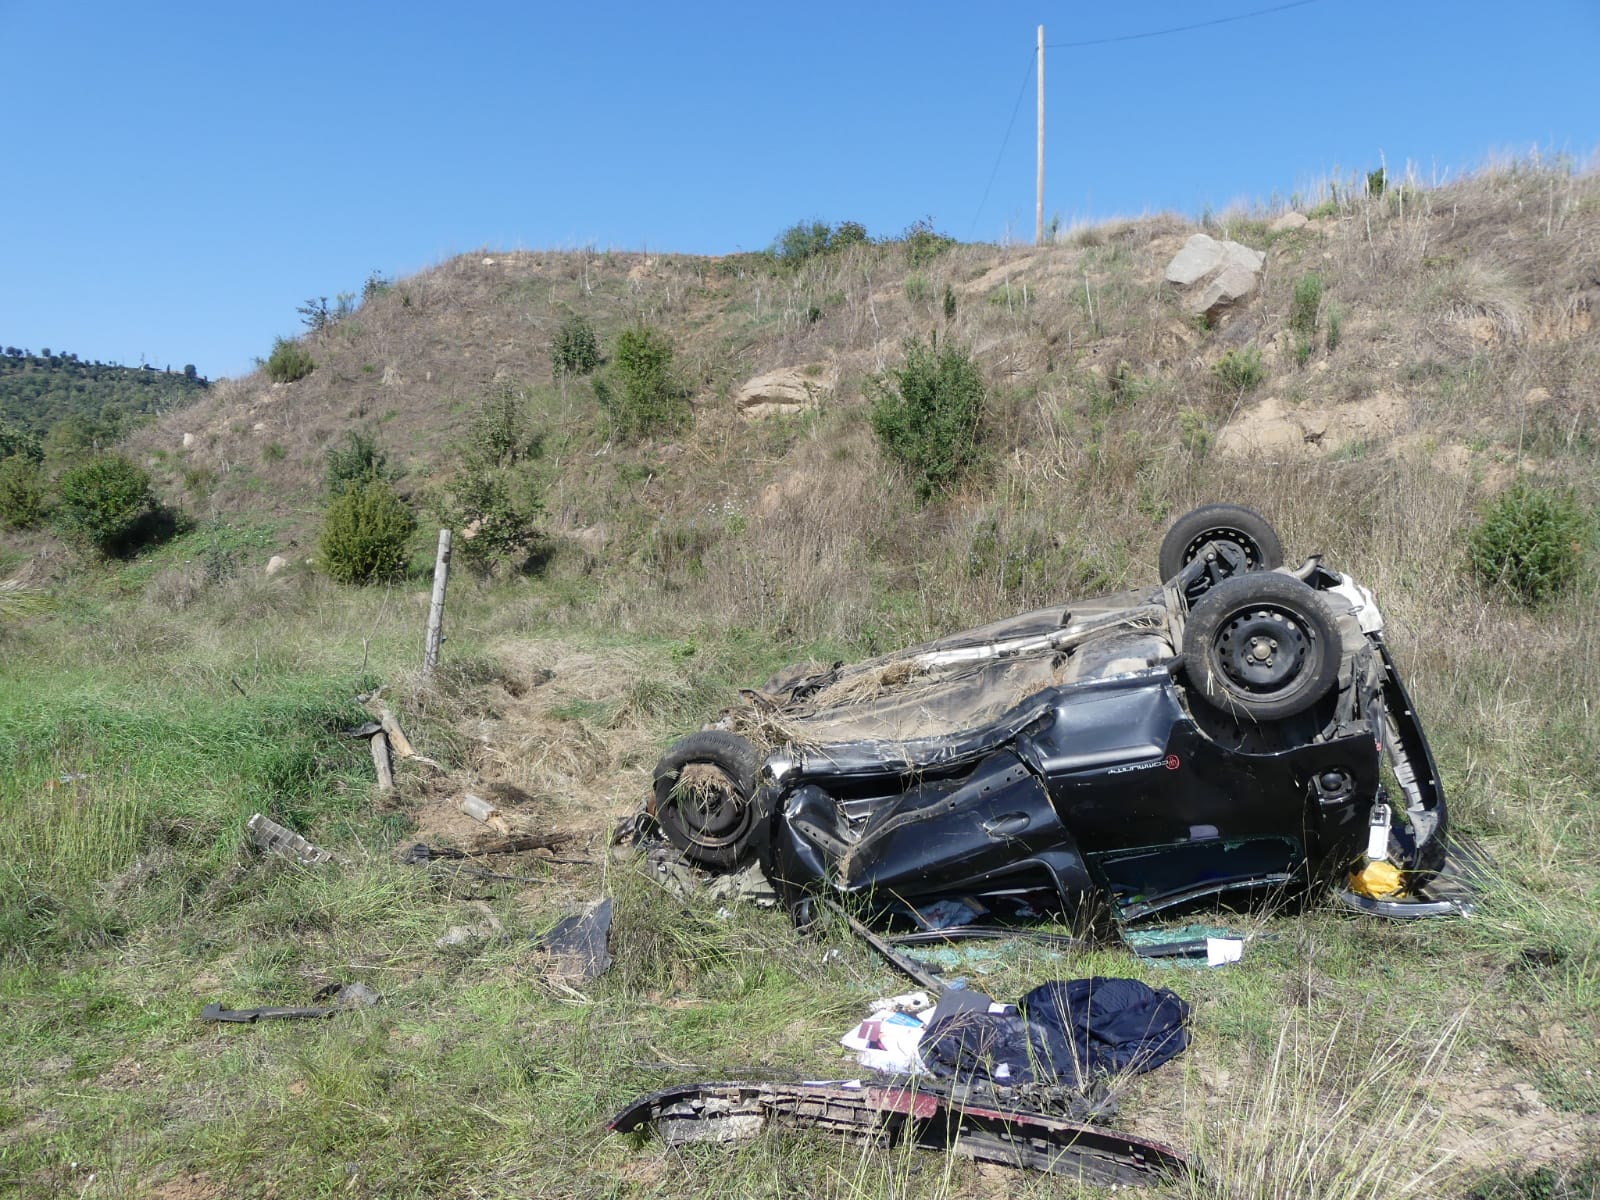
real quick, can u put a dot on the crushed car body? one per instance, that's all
(1240, 730)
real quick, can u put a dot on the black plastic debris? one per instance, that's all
(579, 945)
(344, 996)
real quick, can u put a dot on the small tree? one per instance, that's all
(365, 534)
(575, 350)
(647, 399)
(289, 361)
(16, 440)
(359, 460)
(494, 500)
(108, 505)
(22, 496)
(1530, 542)
(926, 414)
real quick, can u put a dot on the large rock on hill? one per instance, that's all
(786, 390)
(1217, 274)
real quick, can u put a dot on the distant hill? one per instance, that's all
(38, 390)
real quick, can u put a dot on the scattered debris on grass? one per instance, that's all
(579, 945)
(344, 996)
(285, 843)
(955, 1120)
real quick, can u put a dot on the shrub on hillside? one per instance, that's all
(926, 414)
(924, 243)
(22, 496)
(17, 441)
(1305, 315)
(1240, 370)
(575, 350)
(646, 398)
(1529, 542)
(356, 462)
(109, 505)
(365, 534)
(811, 239)
(289, 361)
(494, 500)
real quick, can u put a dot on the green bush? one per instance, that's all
(1530, 542)
(811, 239)
(109, 505)
(17, 441)
(924, 243)
(357, 462)
(575, 350)
(494, 501)
(1240, 370)
(647, 398)
(289, 361)
(21, 492)
(365, 534)
(926, 415)
(1307, 305)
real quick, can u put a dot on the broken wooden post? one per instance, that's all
(380, 759)
(441, 573)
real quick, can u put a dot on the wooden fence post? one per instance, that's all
(441, 573)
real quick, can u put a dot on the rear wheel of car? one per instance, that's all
(705, 798)
(1231, 538)
(1263, 646)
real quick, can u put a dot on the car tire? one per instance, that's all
(711, 816)
(1232, 523)
(1262, 645)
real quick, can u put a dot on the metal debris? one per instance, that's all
(285, 843)
(953, 1120)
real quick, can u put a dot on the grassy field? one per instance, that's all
(148, 708)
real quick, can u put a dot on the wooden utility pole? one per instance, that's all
(1038, 203)
(441, 573)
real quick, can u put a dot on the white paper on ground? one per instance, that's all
(1223, 950)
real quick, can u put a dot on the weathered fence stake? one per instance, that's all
(441, 573)
(380, 761)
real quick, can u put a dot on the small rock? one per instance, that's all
(1536, 396)
(1289, 220)
(258, 427)
(276, 563)
(188, 440)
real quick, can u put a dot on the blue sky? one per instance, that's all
(180, 176)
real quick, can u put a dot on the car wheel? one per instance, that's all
(1262, 645)
(704, 798)
(1232, 539)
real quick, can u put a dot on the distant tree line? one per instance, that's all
(102, 400)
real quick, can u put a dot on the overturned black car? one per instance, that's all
(1238, 732)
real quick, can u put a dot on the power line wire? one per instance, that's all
(1151, 33)
(1004, 142)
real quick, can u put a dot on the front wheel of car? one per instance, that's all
(1263, 646)
(704, 793)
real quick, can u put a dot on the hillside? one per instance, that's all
(1464, 345)
(39, 390)
(1404, 359)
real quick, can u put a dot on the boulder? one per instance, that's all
(786, 390)
(1228, 271)
(276, 563)
(1289, 221)
(188, 440)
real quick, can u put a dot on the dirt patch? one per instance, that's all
(1275, 429)
(188, 1186)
